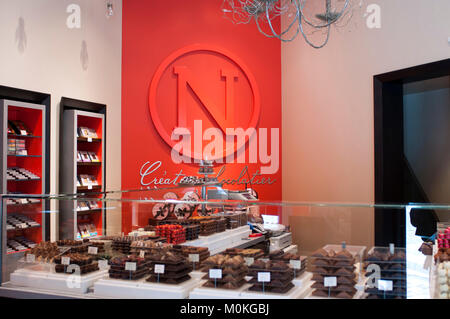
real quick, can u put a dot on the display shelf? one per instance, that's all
(24, 136)
(89, 164)
(15, 155)
(89, 140)
(51, 281)
(140, 289)
(297, 292)
(87, 188)
(216, 293)
(232, 238)
(82, 137)
(23, 126)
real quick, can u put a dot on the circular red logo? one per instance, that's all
(203, 83)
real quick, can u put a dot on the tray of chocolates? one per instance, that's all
(233, 271)
(221, 225)
(326, 263)
(391, 264)
(442, 255)
(202, 252)
(281, 276)
(174, 234)
(176, 268)
(245, 253)
(192, 232)
(118, 268)
(443, 239)
(208, 227)
(443, 280)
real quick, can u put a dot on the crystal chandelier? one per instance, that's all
(264, 12)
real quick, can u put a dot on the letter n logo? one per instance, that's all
(206, 81)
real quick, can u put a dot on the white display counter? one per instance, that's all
(33, 277)
(140, 289)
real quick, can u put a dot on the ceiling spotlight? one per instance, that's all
(109, 9)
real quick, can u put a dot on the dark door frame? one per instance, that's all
(390, 165)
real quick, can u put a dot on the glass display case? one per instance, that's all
(196, 242)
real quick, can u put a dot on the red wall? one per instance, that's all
(152, 30)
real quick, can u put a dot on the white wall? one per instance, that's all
(50, 62)
(327, 107)
(328, 147)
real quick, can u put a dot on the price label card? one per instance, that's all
(130, 266)
(23, 225)
(330, 281)
(215, 273)
(249, 260)
(65, 261)
(296, 264)
(23, 132)
(102, 264)
(92, 250)
(31, 258)
(385, 285)
(159, 269)
(89, 186)
(23, 201)
(194, 258)
(392, 248)
(142, 254)
(89, 139)
(264, 259)
(264, 277)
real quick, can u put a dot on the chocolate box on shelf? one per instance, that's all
(333, 273)
(169, 268)
(233, 271)
(129, 268)
(392, 269)
(280, 278)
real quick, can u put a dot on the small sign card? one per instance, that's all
(264, 277)
(249, 260)
(330, 281)
(65, 261)
(130, 266)
(215, 273)
(159, 269)
(92, 250)
(194, 258)
(385, 285)
(296, 264)
(142, 254)
(31, 258)
(102, 264)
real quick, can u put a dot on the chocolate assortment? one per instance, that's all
(234, 270)
(329, 265)
(443, 254)
(221, 225)
(44, 251)
(75, 246)
(123, 244)
(392, 271)
(85, 263)
(280, 255)
(202, 252)
(443, 278)
(245, 253)
(176, 268)
(118, 269)
(208, 227)
(174, 234)
(281, 276)
(444, 238)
